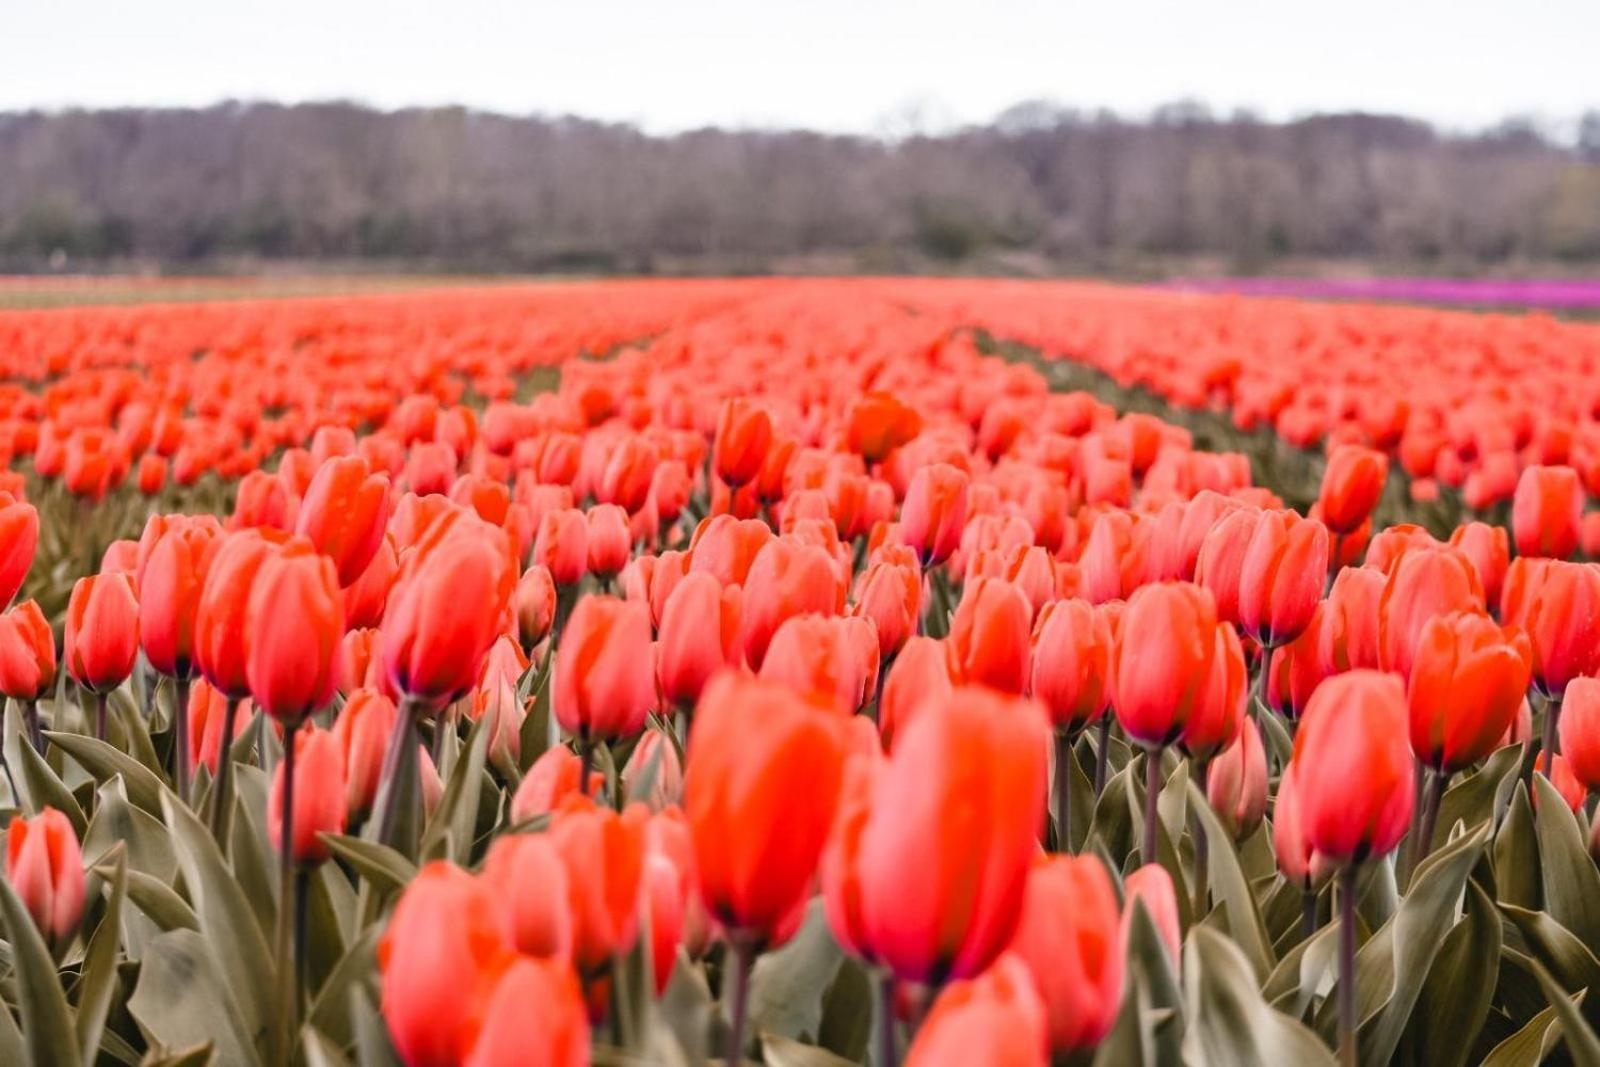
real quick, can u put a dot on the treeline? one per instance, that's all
(471, 190)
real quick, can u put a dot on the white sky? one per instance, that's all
(829, 64)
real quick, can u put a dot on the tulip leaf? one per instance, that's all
(104, 763)
(160, 903)
(846, 1026)
(1228, 1022)
(1298, 976)
(226, 918)
(450, 833)
(119, 824)
(195, 1056)
(786, 986)
(1516, 856)
(1455, 999)
(1229, 885)
(330, 1009)
(1478, 797)
(1275, 736)
(137, 732)
(46, 789)
(1570, 878)
(1582, 1045)
(1112, 831)
(1155, 974)
(99, 972)
(318, 1051)
(255, 865)
(687, 1009)
(13, 1049)
(46, 1019)
(779, 1051)
(1529, 1046)
(182, 1000)
(1556, 947)
(384, 869)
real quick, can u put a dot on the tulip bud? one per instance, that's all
(997, 1018)
(207, 713)
(699, 636)
(296, 622)
(319, 800)
(726, 548)
(19, 539)
(27, 653)
(535, 604)
(1547, 512)
(561, 545)
(1351, 485)
(1562, 620)
(1214, 722)
(1220, 565)
(820, 657)
(1296, 669)
(1566, 784)
(1301, 864)
(989, 635)
(1166, 644)
(553, 776)
(263, 500)
(1468, 680)
(1071, 663)
(786, 579)
(1068, 936)
(891, 596)
(1236, 782)
(540, 922)
(45, 866)
(497, 699)
(603, 683)
(608, 540)
(362, 731)
(744, 434)
(221, 620)
(344, 513)
(655, 757)
(1424, 583)
(603, 853)
(1579, 727)
(934, 512)
(171, 582)
(1151, 886)
(1281, 577)
(102, 632)
(1488, 550)
(535, 1014)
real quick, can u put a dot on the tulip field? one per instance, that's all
(798, 672)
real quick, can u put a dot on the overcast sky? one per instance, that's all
(838, 65)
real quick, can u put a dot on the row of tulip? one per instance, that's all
(798, 650)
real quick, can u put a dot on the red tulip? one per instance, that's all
(604, 686)
(1580, 730)
(45, 867)
(1353, 767)
(1281, 577)
(1301, 865)
(535, 1014)
(1547, 512)
(362, 731)
(541, 922)
(1164, 651)
(19, 539)
(171, 582)
(264, 500)
(344, 514)
(296, 621)
(444, 950)
(990, 634)
(744, 434)
(366, 599)
(934, 512)
(996, 1018)
(1424, 583)
(102, 632)
(1236, 782)
(207, 713)
(755, 746)
(535, 605)
(1221, 562)
(1562, 620)
(1152, 887)
(725, 547)
(562, 545)
(1072, 652)
(1490, 553)
(1214, 722)
(27, 653)
(879, 423)
(920, 677)
(221, 626)
(1351, 485)
(319, 800)
(664, 897)
(890, 595)
(699, 637)
(655, 756)
(1467, 682)
(608, 540)
(1348, 638)
(603, 854)
(1296, 669)
(786, 579)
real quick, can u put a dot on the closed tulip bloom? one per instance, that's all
(890, 595)
(445, 614)
(296, 620)
(934, 512)
(1467, 682)
(668, 839)
(344, 514)
(1152, 887)
(699, 636)
(360, 661)
(1547, 512)
(1069, 936)
(919, 677)
(995, 1018)
(221, 621)
(263, 500)
(1221, 562)
(45, 867)
(1214, 723)
(841, 869)
(122, 557)
(1236, 782)
(170, 585)
(1071, 663)
(319, 800)
(1167, 641)
(19, 539)
(102, 631)
(1351, 485)
(1562, 620)
(1354, 769)
(444, 950)
(990, 634)
(535, 1014)
(819, 656)
(725, 547)
(27, 653)
(878, 423)
(366, 599)
(1296, 669)
(655, 758)
(756, 746)
(744, 434)
(207, 713)
(554, 776)
(1281, 578)
(608, 540)
(541, 921)
(561, 545)
(1580, 730)
(603, 853)
(1348, 638)
(956, 815)
(535, 605)
(603, 684)
(362, 731)
(664, 900)
(786, 579)
(1424, 583)
(1489, 550)
(1301, 865)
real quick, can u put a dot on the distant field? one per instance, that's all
(32, 291)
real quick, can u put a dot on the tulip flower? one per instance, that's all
(1352, 482)
(263, 500)
(1580, 730)
(1220, 565)
(1293, 671)
(561, 546)
(445, 948)
(755, 747)
(535, 1014)
(540, 922)
(344, 513)
(1467, 682)
(1423, 583)
(608, 541)
(1354, 785)
(553, 776)
(1489, 551)
(989, 636)
(1566, 784)
(786, 579)
(603, 855)
(534, 602)
(699, 636)
(1151, 886)
(296, 622)
(1071, 664)
(27, 661)
(1236, 782)
(319, 803)
(997, 1018)
(725, 547)
(1547, 512)
(1348, 637)
(45, 867)
(207, 714)
(102, 637)
(890, 595)
(879, 423)
(19, 539)
(1214, 722)
(1281, 577)
(744, 434)
(604, 685)
(934, 512)
(654, 762)
(919, 677)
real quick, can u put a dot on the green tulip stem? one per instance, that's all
(741, 955)
(1152, 793)
(288, 905)
(1102, 754)
(1063, 791)
(888, 1056)
(183, 770)
(219, 789)
(1347, 966)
